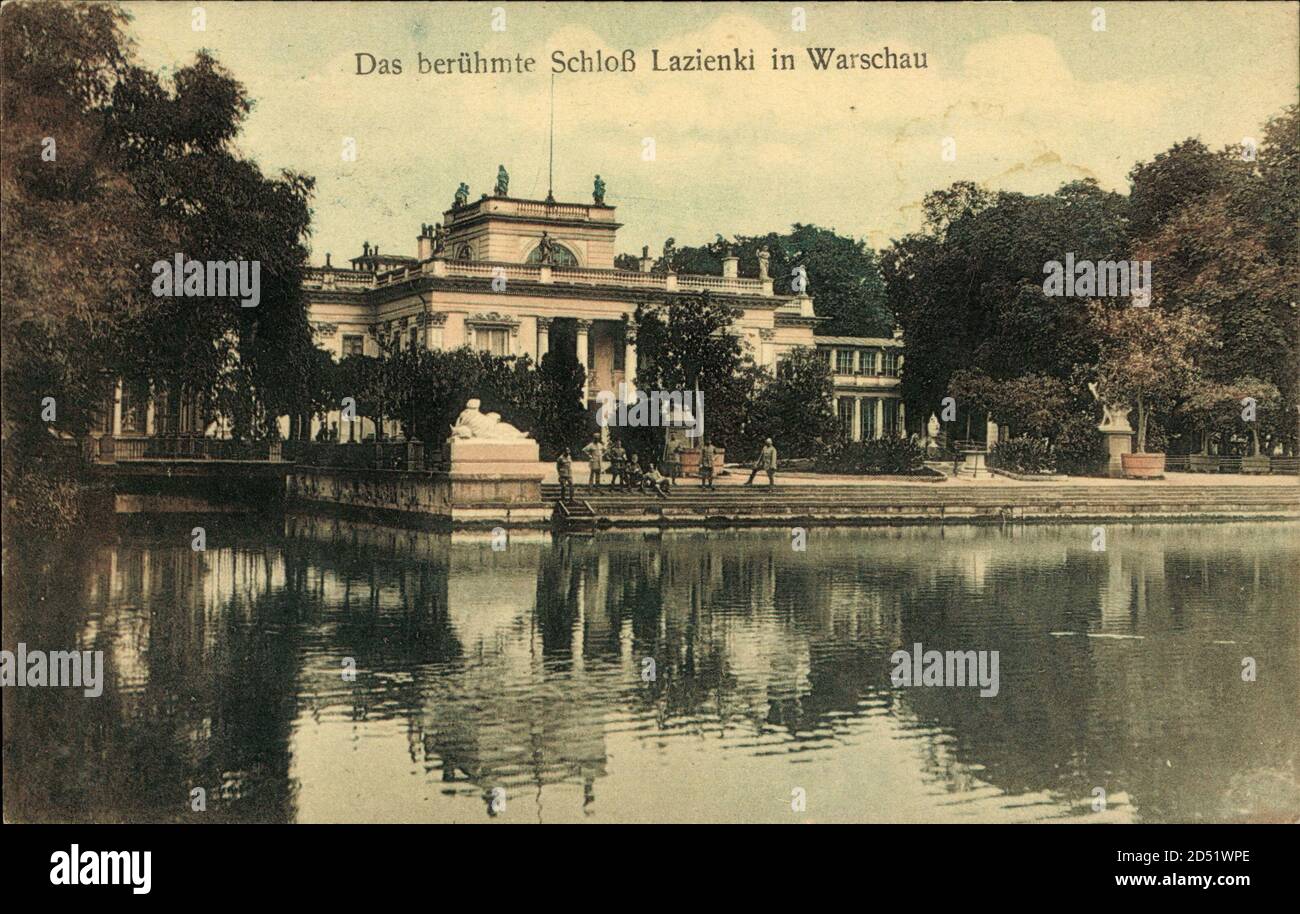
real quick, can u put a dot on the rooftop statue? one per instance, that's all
(598, 192)
(439, 238)
(480, 426)
(764, 260)
(462, 195)
(503, 181)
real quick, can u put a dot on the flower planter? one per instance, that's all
(691, 461)
(1143, 466)
(1258, 464)
(1203, 463)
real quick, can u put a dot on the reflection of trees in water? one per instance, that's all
(1162, 712)
(507, 668)
(197, 685)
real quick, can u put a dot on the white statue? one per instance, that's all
(473, 423)
(1114, 416)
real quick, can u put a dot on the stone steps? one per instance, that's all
(929, 503)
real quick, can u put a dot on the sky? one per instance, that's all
(1019, 97)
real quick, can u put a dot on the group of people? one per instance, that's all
(626, 471)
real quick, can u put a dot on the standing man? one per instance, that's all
(595, 454)
(564, 464)
(766, 461)
(616, 460)
(706, 465)
(674, 460)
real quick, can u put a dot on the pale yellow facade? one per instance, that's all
(477, 279)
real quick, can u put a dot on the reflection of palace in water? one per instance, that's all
(512, 669)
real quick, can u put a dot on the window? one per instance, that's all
(844, 361)
(492, 340)
(891, 417)
(560, 256)
(869, 364)
(620, 349)
(463, 252)
(868, 418)
(845, 410)
(353, 344)
(890, 369)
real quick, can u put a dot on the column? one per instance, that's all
(629, 370)
(584, 331)
(150, 428)
(880, 417)
(857, 418)
(117, 410)
(902, 419)
(766, 350)
(543, 337)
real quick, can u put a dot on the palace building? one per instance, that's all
(520, 277)
(517, 277)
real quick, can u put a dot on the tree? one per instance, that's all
(843, 274)
(793, 406)
(1221, 234)
(687, 344)
(1147, 357)
(562, 419)
(968, 289)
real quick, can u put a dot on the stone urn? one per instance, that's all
(1143, 466)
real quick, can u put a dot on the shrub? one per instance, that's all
(1023, 455)
(1080, 449)
(882, 457)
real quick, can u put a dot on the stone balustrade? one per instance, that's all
(330, 279)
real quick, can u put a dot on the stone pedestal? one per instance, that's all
(1118, 443)
(973, 464)
(494, 481)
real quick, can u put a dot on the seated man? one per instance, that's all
(656, 481)
(632, 472)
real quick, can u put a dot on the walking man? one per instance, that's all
(595, 454)
(706, 465)
(564, 464)
(766, 461)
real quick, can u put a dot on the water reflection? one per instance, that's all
(689, 677)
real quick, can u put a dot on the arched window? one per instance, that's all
(462, 252)
(560, 256)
